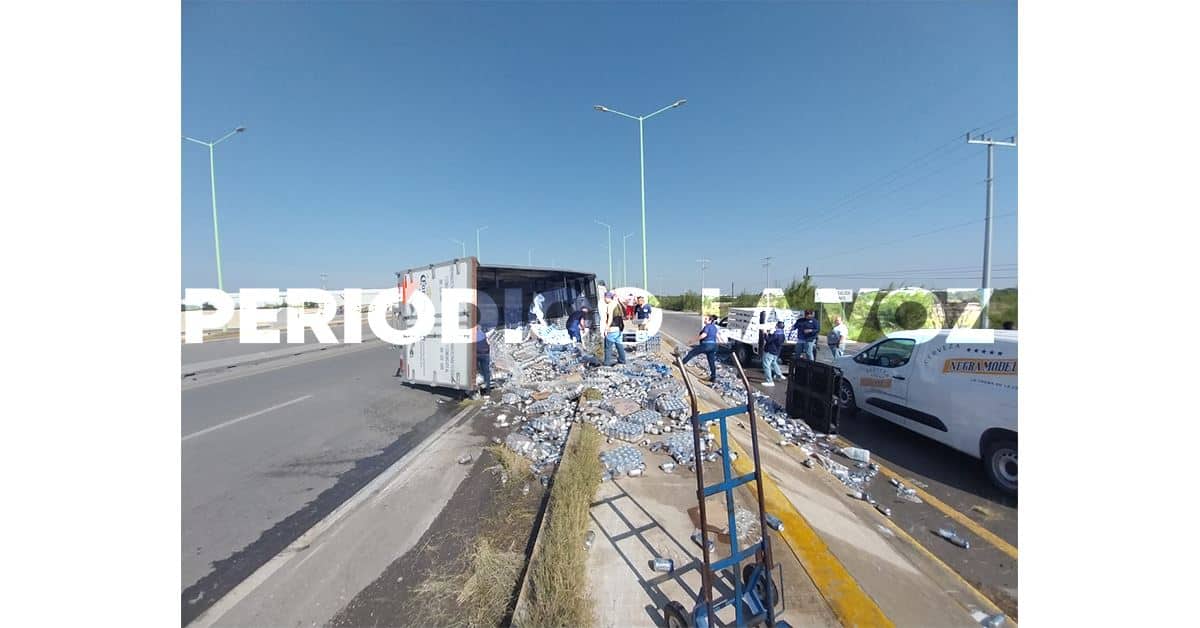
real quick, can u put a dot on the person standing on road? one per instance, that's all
(483, 358)
(577, 319)
(807, 330)
(706, 343)
(837, 338)
(613, 324)
(770, 358)
(642, 311)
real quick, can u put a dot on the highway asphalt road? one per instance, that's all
(223, 348)
(268, 450)
(953, 478)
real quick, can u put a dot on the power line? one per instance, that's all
(831, 216)
(917, 271)
(916, 235)
(894, 174)
(929, 201)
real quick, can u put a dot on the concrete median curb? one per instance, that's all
(520, 611)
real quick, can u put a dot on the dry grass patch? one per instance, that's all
(516, 465)
(480, 596)
(558, 582)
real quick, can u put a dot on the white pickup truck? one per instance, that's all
(740, 331)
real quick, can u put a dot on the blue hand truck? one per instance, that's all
(755, 589)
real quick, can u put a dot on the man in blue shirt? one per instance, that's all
(642, 310)
(577, 319)
(483, 357)
(771, 350)
(807, 330)
(707, 344)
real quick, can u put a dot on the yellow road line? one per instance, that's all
(841, 591)
(987, 602)
(847, 599)
(828, 574)
(958, 517)
(852, 605)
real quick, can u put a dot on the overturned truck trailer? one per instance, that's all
(502, 297)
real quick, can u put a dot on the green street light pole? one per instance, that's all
(642, 153)
(212, 175)
(477, 254)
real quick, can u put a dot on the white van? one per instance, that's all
(956, 386)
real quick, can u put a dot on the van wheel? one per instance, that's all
(846, 397)
(1000, 462)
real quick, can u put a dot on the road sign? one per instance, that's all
(834, 295)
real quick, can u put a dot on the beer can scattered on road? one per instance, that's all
(663, 565)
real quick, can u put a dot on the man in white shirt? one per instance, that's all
(837, 337)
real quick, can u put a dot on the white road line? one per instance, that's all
(244, 418)
(245, 587)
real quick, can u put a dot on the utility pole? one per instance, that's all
(767, 265)
(703, 266)
(987, 228)
(323, 276)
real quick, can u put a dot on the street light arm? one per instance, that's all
(672, 106)
(602, 108)
(197, 141)
(229, 135)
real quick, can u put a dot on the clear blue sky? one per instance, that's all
(823, 134)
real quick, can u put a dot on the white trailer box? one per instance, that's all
(504, 296)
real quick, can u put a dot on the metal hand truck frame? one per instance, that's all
(754, 588)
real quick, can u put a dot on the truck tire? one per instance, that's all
(743, 354)
(1000, 463)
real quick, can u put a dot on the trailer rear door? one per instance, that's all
(430, 361)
